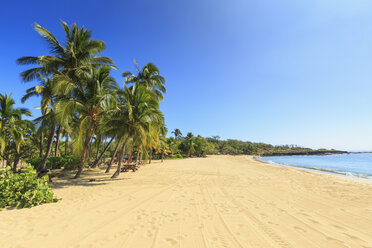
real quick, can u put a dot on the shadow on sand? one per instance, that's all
(89, 178)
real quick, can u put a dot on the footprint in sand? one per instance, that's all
(299, 228)
(171, 241)
(314, 221)
(339, 227)
(149, 234)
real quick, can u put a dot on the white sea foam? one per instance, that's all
(352, 165)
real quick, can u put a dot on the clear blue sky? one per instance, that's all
(281, 72)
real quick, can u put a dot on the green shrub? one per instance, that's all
(35, 162)
(177, 156)
(67, 162)
(24, 189)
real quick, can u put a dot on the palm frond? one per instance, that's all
(55, 46)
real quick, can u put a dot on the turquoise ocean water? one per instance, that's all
(353, 164)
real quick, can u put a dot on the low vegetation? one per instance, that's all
(66, 162)
(24, 189)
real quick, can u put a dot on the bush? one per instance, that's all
(35, 162)
(177, 156)
(24, 189)
(68, 162)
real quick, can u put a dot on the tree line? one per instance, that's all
(191, 145)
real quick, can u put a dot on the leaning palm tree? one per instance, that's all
(102, 136)
(47, 106)
(88, 100)
(138, 111)
(149, 77)
(75, 56)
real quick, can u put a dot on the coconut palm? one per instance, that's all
(163, 147)
(47, 106)
(12, 127)
(149, 77)
(99, 154)
(138, 112)
(18, 132)
(177, 133)
(89, 100)
(113, 157)
(190, 143)
(9, 115)
(75, 56)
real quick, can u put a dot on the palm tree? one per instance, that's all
(177, 133)
(149, 77)
(47, 106)
(40, 135)
(8, 116)
(12, 127)
(100, 155)
(162, 145)
(113, 157)
(66, 134)
(89, 100)
(190, 143)
(138, 112)
(73, 57)
(19, 129)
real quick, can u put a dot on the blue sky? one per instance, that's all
(280, 72)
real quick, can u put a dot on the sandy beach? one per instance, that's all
(219, 201)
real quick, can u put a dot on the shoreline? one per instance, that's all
(350, 175)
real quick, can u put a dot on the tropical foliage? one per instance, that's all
(191, 145)
(24, 189)
(84, 113)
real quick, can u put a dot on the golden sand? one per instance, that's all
(219, 201)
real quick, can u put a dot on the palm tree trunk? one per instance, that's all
(112, 158)
(49, 146)
(150, 157)
(85, 153)
(117, 172)
(41, 144)
(98, 146)
(137, 157)
(162, 157)
(15, 163)
(130, 156)
(57, 141)
(102, 153)
(66, 143)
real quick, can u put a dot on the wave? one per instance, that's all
(325, 170)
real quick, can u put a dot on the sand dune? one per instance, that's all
(219, 201)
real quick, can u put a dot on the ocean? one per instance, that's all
(353, 164)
